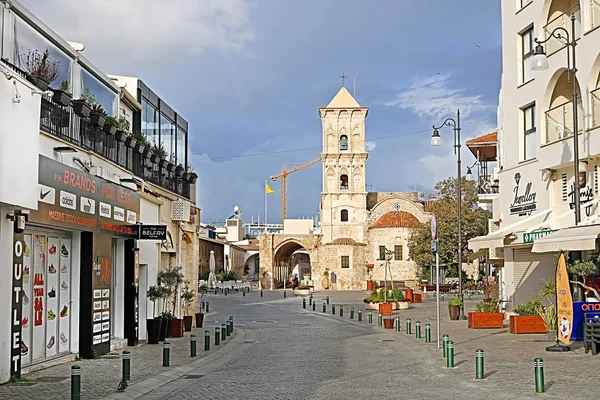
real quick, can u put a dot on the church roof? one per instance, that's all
(347, 242)
(396, 219)
(343, 99)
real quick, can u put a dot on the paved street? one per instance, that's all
(281, 351)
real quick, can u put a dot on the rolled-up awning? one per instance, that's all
(576, 238)
(488, 241)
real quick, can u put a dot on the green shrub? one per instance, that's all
(227, 276)
(457, 302)
(492, 306)
(529, 308)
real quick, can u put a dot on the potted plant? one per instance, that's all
(549, 315)
(454, 307)
(41, 69)
(187, 298)
(303, 290)
(98, 115)
(158, 153)
(580, 270)
(165, 316)
(325, 281)
(370, 275)
(191, 177)
(62, 95)
(486, 315)
(153, 325)
(395, 298)
(203, 289)
(172, 279)
(526, 318)
(179, 170)
(110, 125)
(81, 108)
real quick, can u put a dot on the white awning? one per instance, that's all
(576, 238)
(488, 241)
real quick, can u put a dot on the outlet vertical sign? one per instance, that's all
(16, 309)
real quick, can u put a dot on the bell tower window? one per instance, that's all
(343, 143)
(344, 182)
(344, 215)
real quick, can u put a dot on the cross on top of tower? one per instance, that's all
(343, 76)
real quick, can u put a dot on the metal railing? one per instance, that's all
(559, 121)
(564, 21)
(487, 185)
(595, 13)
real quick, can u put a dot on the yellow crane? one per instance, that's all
(283, 176)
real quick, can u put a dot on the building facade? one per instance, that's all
(534, 214)
(356, 226)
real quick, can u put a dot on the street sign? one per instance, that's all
(434, 246)
(152, 232)
(433, 228)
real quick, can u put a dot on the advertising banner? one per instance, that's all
(17, 298)
(564, 302)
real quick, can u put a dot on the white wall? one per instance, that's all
(6, 241)
(149, 262)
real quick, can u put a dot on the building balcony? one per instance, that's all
(562, 20)
(488, 188)
(559, 121)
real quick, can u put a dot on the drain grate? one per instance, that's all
(192, 376)
(51, 379)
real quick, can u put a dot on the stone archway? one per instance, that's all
(287, 258)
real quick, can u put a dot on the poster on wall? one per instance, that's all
(26, 320)
(38, 341)
(52, 295)
(101, 284)
(65, 295)
(16, 301)
(564, 302)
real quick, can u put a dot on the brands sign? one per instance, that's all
(524, 200)
(74, 199)
(16, 309)
(530, 237)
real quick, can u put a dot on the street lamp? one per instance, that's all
(540, 63)
(436, 140)
(469, 175)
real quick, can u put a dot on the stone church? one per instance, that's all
(356, 227)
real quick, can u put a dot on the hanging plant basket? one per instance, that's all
(121, 136)
(61, 97)
(110, 129)
(39, 82)
(130, 142)
(97, 119)
(81, 108)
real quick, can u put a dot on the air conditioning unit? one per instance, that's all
(180, 210)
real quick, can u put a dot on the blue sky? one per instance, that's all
(250, 75)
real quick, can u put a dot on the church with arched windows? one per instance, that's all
(356, 227)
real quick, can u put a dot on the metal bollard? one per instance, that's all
(75, 382)
(192, 345)
(327, 299)
(380, 320)
(324, 307)
(304, 303)
(310, 300)
(450, 358)
(427, 333)
(228, 328)
(166, 353)
(538, 367)
(225, 292)
(207, 307)
(341, 311)
(418, 329)
(333, 309)
(479, 364)
(469, 296)
(314, 304)
(261, 293)
(397, 324)
(408, 326)
(223, 332)
(206, 340)
(360, 315)
(351, 312)
(370, 317)
(284, 294)
(217, 336)
(442, 297)
(203, 302)
(244, 293)
(126, 365)
(445, 339)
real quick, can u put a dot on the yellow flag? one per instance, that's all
(564, 302)
(268, 189)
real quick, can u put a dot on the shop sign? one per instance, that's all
(152, 232)
(524, 201)
(74, 199)
(530, 237)
(16, 310)
(586, 195)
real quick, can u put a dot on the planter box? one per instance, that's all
(397, 305)
(176, 327)
(302, 292)
(369, 285)
(179, 171)
(191, 177)
(121, 136)
(153, 328)
(163, 163)
(110, 129)
(171, 167)
(139, 148)
(388, 323)
(130, 142)
(481, 320)
(97, 119)
(165, 327)
(199, 320)
(453, 311)
(62, 98)
(81, 108)
(187, 323)
(408, 295)
(526, 324)
(147, 154)
(41, 83)
(386, 308)
(417, 297)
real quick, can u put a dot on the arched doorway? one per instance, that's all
(290, 258)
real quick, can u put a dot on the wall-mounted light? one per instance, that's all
(65, 149)
(81, 164)
(512, 236)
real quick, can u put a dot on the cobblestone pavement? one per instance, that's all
(284, 352)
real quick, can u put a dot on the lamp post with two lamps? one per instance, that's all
(436, 140)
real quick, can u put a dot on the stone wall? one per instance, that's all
(375, 197)
(390, 237)
(330, 255)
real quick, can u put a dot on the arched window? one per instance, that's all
(344, 215)
(344, 182)
(343, 143)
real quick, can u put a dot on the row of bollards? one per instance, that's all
(447, 344)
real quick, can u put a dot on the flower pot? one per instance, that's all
(179, 171)
(552, 336)
(519, 324)
(153, 329)
(369, 285)
(61, 97)
(147, 154)
(121, 136)
(191, 177)
(163, 163)
(388, 323)
(154, 158)
(187, 323)
(199, 320)
(385, 308)
(164, 328)
(41, 83)
(139, 148)
(483, 320)
(130, 142)
(97, 119)
(176, 327)
(408, 294)
(110, 129)
(81, 108)
(171, 167)
(325, 283)
(403, 305)
(454, 311)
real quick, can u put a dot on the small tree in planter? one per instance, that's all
(172, 279)
(153, 325)
(41, 68)
(487, 315)
(580, 270)
(203, 290)
(549, 315)
(187, 298)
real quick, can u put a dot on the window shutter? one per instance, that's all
(565, 191)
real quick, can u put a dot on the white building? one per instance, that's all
(535, 158)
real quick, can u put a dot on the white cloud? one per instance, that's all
(117, 31)
(433, 97)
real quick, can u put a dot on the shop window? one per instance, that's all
(345, 261)
(167, 137)
(97, 92)
(398, 252)
(343, 143)
(149, 121)
(344, 182)
(344, 215)
(382, 252)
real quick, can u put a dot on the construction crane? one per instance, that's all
(283, 175)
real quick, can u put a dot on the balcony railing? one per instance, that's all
(559, 121)
(487, 185)
(564, 21)
(595, 13)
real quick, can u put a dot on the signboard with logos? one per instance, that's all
(524, 198)
(149, 232)
(530, 237)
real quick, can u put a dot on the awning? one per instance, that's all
(576, 238)
(488, 241)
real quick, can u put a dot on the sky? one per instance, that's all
(250, 75)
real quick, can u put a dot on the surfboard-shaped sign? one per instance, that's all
(564, 302)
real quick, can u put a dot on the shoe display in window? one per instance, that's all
(26, 270)
(63, 269)
(52, 269)
(24, 349)
(52, 250)
(52, 293)
(64, 312)
(50, 342)
(64, 285)
(51, 315)
(63, 251)
(63, 338)
(25, 299)
(24, 321)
